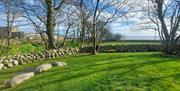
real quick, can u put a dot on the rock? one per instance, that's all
(34, 57)
(1, 66)
(53, 55)
(1, 60)
(6, 62)
(10, 60)
(29, 61)
(55, 51)
(72, 51)
(21, 62)
(10, 65)
(77, 50)
(65, 52)
(62, 53)
(56, 54)
(42, 68)
(38, 57)
(25, 59)
(61, 64)
(43, 56)
(19, 79)
(4, 67)
(15, 62)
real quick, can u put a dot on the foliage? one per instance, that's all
(68, 43)
(31, 47)
(104, 72)
(24, 47)
(122, 42)
(125, 48)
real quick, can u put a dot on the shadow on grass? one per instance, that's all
(112, 65)
(130, 67)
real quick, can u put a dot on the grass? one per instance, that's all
(104, 72)
(21, 48)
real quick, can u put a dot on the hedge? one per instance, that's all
(124, 48)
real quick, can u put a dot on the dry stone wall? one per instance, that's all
(15, 60)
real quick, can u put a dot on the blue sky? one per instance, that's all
(122, 26)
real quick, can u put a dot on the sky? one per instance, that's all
(129, 26)
(123, 27)
(126, 27)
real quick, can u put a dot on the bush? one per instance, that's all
(68, 43)
(31, 47)
(124, 48)
(24, 47)
(156, 41)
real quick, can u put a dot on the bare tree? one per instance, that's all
(8, 8)
(50, 24)
(36, 21)
(70, 20)
(94, 10)
(166, 16)
(45, 11)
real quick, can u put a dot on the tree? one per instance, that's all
(50, 24)
(71, 20)
(95, 10)
(36, 21)
(117, 37)
(164, 15)
(45, 11)
(8, 7)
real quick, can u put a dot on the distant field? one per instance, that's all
(127, 43)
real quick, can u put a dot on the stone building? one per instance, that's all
(15, 34)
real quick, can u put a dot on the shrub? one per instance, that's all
(68, 43)
(31, 47)
(24, 47)
(124, 48)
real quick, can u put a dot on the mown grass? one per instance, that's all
(104, 72)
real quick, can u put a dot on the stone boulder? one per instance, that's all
(5, 62)
(19, 79)
(61, 64)
(1, 60)
(21, 62)
(1, 66)
(42, 68)
(15, 62)
(4, 67)
(10, 65)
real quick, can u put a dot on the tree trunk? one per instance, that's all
(170, 46)
(82, 32)
(94, 27)
(50, 24)
(44, 40)
(94, 39)
(8, 30)
(67, 31)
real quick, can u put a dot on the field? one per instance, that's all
(128, 43)
(147, 71)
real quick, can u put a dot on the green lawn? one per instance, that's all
(104, 72)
